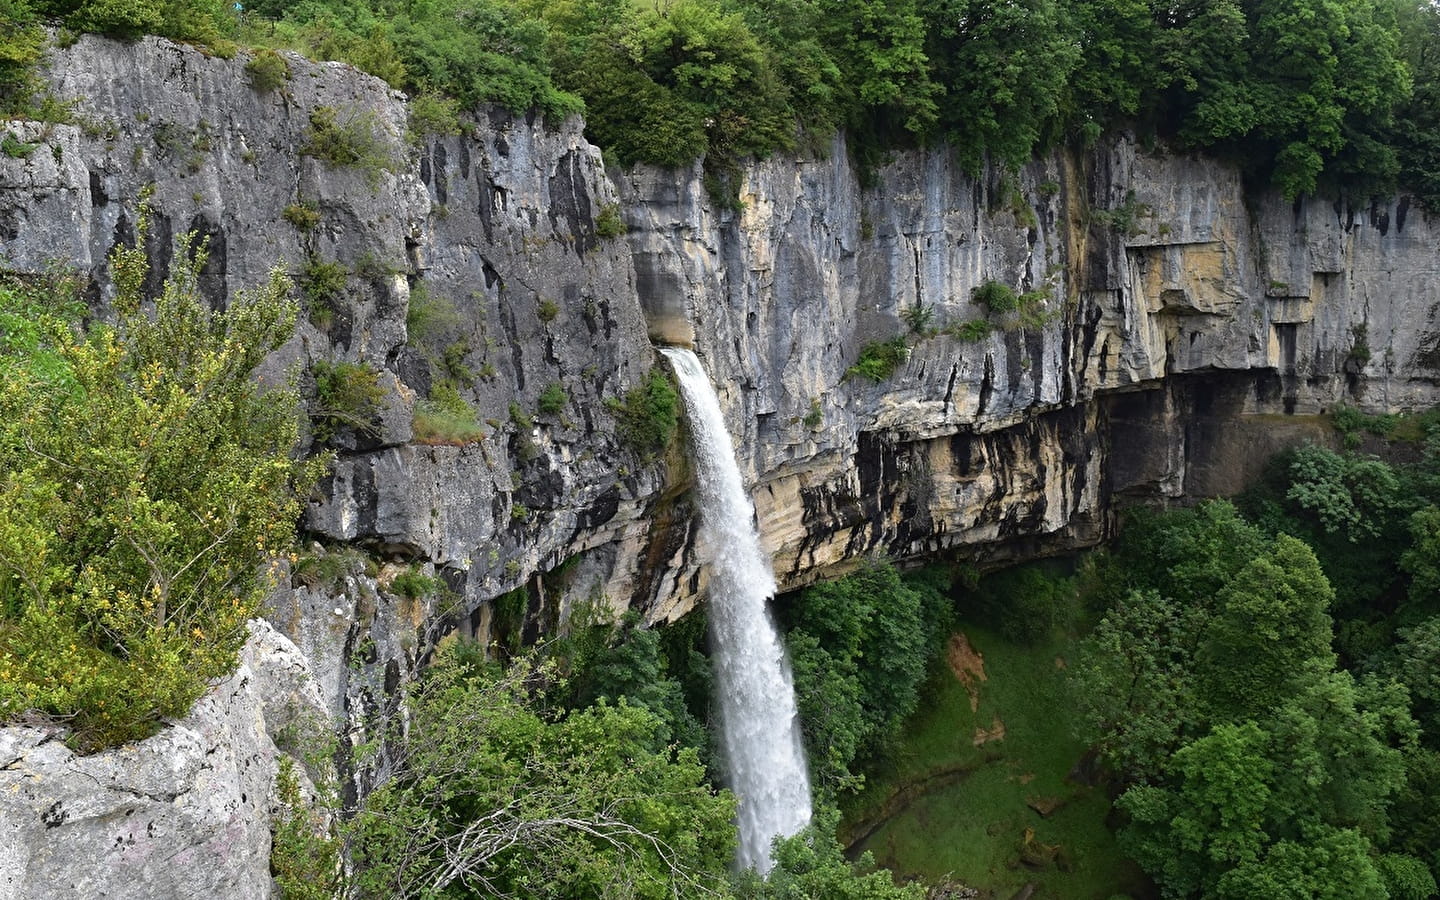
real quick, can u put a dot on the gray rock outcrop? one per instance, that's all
(183, 814)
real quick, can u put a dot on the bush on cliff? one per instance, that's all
(145, 477)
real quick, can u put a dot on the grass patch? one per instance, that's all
(972, 827)
(445, 418)
(1402, 427)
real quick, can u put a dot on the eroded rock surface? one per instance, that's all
(183, 814)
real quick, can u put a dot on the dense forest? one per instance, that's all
(1335, 95)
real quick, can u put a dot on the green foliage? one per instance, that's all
(1254, 763)
(268, 70)
(1125, 684)
(432, 113)
(1351, 495)
(626, 663)
(608, 223)
(322, 283)
(860, 648)
(879, 359)
(553, 399)
(146, 479)
(1416, 134)
(520, 417)
(446, 418)
(919, 318)
(815, 416)
(1004, 67)
(15, 148)
(1270, 630)
(349, 139)
(547, 310)
(22, 44)
(996, 297)
(1024, 603)
(495, 793)
(648, 415)
(304, 857)
(305, 217)
(973, 330)
(812, 864)
(1405, 877)
(414, 583)
(348, 395)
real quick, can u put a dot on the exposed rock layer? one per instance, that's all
(184, 814)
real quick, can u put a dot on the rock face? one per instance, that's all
(184, 814)
(1171, 330)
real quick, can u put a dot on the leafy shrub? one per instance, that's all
(432, 319)
(414, 583)
(304, 857)
(600, 800)
(522, 419)
(322, 284)
(22, 44)
(347, 395)
(815, 417)
(648, 414)
(552, 400)
(446, 418)
(268, 70)
(547, 310)
(972, 331)
(15, 148)
(352, 141)
(148, 477)
(609, 224)
(919, 318)
(432, 113)
(879, 359)
(996, 297)
(304, 216)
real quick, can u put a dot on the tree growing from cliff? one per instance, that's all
(498, 794)
(145, 479)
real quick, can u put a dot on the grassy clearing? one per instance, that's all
(973, 826)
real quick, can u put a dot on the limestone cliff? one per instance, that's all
(1176, 328)
(184, 814)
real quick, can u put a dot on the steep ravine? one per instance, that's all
(1187, 328)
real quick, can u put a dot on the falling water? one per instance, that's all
(761, 729)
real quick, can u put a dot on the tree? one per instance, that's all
(1270, 633)
(492, 795)
(860, 647)
(146, 480)
(1132, 682)
(1004, 67)
(1210, 818)
(812, 864)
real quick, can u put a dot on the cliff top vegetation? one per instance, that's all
(1306, 94)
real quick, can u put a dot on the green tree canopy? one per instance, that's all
(492, 795)
(145, 479)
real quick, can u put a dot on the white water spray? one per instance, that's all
(760, 725)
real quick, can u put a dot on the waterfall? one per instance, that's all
(760, 725)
